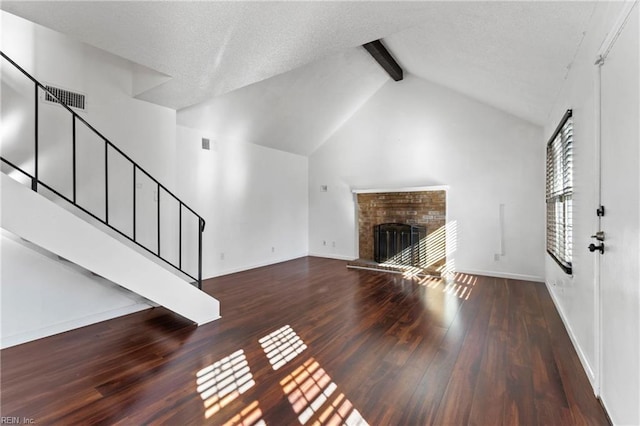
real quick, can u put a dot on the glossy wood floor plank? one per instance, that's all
(489, 407)
(378, 347)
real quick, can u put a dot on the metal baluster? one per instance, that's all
(34, 181)
(73, 118)
(106, 182)
(134, 201)
(158, 219)
(35, 178)
(200, 229)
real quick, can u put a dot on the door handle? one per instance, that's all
(599, 247)
(599, 236)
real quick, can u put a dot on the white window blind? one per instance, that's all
(559, 193)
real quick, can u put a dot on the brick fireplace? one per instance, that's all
(425, 208)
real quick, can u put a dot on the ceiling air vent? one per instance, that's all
(71, 99)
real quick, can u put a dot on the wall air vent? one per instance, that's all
(71, 99)
(206, 143)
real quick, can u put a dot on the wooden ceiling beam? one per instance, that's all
(384, 58)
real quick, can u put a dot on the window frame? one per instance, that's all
(560, 167)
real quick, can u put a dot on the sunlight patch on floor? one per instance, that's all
(457, 284)
(311, 392)
(223, 381)
(249, 416)
(282, 346)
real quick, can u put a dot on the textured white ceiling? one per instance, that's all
(211, 48)
(288, 113)
(512, 55)
(291, 72)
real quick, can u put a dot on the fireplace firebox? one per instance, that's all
(398, 243)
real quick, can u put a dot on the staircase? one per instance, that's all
(102, 234)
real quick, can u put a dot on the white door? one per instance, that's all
(619, 265)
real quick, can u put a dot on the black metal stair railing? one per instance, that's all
(108, 145)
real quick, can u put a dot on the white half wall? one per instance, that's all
(254, 200)
(415, 133)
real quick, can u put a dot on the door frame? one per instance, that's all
(599, 62)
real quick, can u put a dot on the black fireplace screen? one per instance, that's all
(398, 243)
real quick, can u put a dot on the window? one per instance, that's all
(560, 193)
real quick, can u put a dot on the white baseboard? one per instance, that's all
(256, 265)
(581, 356)
(332, 256)
(508, 275)
(17, 339)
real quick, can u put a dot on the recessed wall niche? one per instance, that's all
(423, 208)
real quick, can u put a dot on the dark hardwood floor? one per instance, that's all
(350, 346)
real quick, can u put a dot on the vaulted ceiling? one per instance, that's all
(287, 73)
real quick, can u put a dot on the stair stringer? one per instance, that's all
(40, 221)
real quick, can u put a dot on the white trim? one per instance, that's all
(614, 32)
(404, 189)
(603, 52)
(583, 359)
(51, 330)
(597, 225)
(333, 256)
(256, 265)
(508, 275)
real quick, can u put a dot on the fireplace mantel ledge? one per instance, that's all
(404, 189)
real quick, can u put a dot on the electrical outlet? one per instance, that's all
(222, 256)
(324, 243)
(333, 244)
(496, 257)
(273, 249)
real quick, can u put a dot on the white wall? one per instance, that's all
(45, 224)
(144, 131)
(576, 296)
(253, 198)
(414, 133)
(52, 296)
